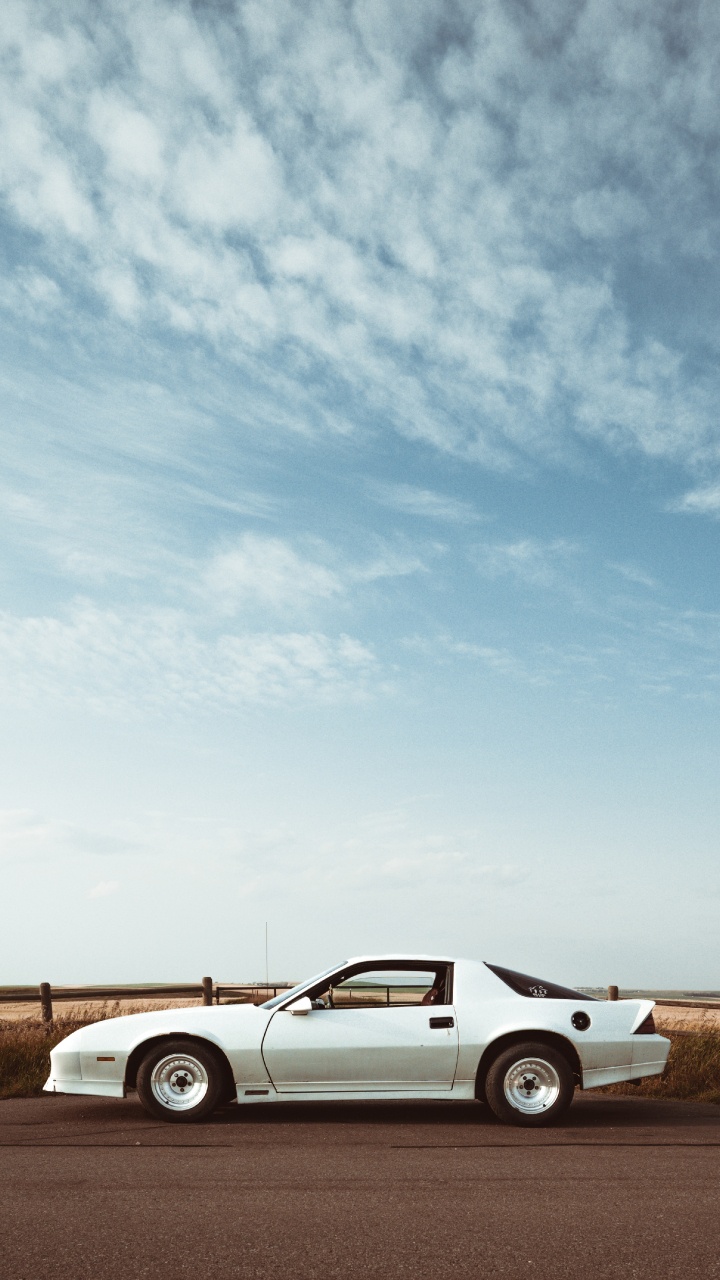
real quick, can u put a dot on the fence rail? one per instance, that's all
(208, 991)
(690, 1004)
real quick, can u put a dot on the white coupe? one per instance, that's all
(375, 1027)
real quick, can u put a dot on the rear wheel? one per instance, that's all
(180, 1081)
(530, 1084)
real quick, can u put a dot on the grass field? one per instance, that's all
(693, 1070)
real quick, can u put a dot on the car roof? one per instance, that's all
(401, 955)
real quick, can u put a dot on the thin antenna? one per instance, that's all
(267, 980)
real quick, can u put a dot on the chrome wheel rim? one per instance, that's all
(531, 1085)
(179, 1082)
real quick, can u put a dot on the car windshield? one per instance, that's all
(296, 991)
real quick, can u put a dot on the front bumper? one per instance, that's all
(101, 1088)
(73, 1069)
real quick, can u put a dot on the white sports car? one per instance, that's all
(375, 1027)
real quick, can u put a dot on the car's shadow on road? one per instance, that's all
(596, 1118)
(589, 1112)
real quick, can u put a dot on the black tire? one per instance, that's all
(530, 1084)
(181, 1081)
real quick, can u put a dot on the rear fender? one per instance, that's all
(550, 1038)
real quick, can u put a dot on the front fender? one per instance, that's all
(112, 1050)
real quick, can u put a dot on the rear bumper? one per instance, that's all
(599, 1076)
(650, 1055)
(647, 1057)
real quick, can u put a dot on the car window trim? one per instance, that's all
(364, 966)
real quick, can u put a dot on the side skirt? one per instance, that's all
(462, 1091)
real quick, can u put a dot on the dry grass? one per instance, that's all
(93, 1010)
(25, 1054)
(25, 1047)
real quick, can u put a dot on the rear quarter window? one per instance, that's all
(535, 988)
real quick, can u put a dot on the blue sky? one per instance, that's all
(360, 487)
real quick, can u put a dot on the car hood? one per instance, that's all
(125, 1032)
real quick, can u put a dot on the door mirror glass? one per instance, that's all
(301, 1006)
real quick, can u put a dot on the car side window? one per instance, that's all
(384, 988)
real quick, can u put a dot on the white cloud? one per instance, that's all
(535, 667)
(529, 559)
(502, 661)
(104, 889)
(130, 140)
(268, 571)
(428, 867)
(388, 564)
(227, 182)
(109, 487)
(30, 295)
(118, 662)
(632, 574)
(326, 196)
(640, 644)
(604, 213)
(412, 500)
(704, 501)
(25, 834)
(387, 847)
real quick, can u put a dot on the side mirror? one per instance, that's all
(301, 1006)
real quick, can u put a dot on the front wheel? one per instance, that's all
(529, 1084)
(180, 1081)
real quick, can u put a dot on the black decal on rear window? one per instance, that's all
(534, 988)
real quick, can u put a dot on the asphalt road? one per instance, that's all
(93, 1188)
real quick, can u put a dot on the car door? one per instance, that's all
(374, 1033)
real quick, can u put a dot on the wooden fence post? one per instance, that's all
(46, 1002)
(207, 991)
(612, 993)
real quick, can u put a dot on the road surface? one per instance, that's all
(93, 1189)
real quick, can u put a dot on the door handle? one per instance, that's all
(439, 1023)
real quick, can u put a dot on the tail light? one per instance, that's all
(647, 1026)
